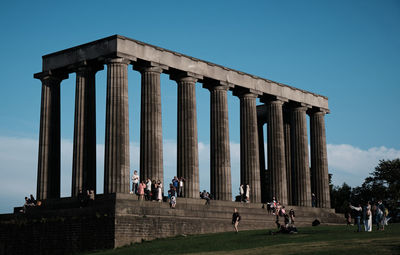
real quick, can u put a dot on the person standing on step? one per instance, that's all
(235, 220)
(141, 188)
(247, 193)
(175, 182)
(135, 182)
(241, 190)
(181, 181)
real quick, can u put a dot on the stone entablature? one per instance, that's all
(133, 50)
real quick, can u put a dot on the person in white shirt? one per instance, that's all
(181, 181)
(135, 182)
(148, 189)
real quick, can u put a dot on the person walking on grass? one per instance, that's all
(235, 220)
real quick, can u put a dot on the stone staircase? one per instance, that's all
(62, 226)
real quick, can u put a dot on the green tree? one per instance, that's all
(384, 182)
(340, 197)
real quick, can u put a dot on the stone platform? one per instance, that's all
(113, 220)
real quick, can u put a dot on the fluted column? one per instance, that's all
(276, 151)
(187, 158)
(220, 165)
(151, 146)
(288, 154)
(301, 170)
(84, 150)
(249, 154)
(319, 160)
(48, 178)
(263, 173)
(116, 159)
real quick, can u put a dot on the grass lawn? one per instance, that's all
(309, 240)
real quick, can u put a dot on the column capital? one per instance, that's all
(273, 99)
(51, 76)
(318, 110)
(117, 60)
(246, 93)
(213, 85)
(85, 67)
(185, 76)
(148, 66)
(296, 106)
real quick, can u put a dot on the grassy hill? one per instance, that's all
(309, 240)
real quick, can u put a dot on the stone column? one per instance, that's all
(151, 144)
(220, 165)
(288, 153)
(263, 173)
(188, 158)
(319, 160)
(276, 151)
(48, 178)
(116, 159)
(249, 154)
(301, 170)
(84, 150)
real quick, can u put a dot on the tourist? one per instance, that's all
(235, 220)
(205, 195)
(291, 217)
(148, 189)
(175, 183)
(273, 205)
(141, 188)
(181, 181)
(154, 190)
(241, 190)
(247, 193)
(368, 218)
(135, 182)
(380, 219)
(357, 215)
(82, 198)
(172, 195)
(28, 203)
(159, 191)
(313, 200)
(32, 199)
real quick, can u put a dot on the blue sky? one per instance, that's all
(345, 50)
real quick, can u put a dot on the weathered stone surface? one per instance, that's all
(151, 145)
(276, 151)
(116, 159)
(301, 170)
(288, 154)
(264, 182)
(48, 179)
(133, 50)
(249, 153)
(319, 160)
(188, 157)
(220, 160)
(114, 220)
(84, 150)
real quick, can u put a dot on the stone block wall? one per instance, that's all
(114, 220)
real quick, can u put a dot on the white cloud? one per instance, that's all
(352, 165)
(18, 166)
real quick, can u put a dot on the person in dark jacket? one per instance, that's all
(357, 215)
(235, 220)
